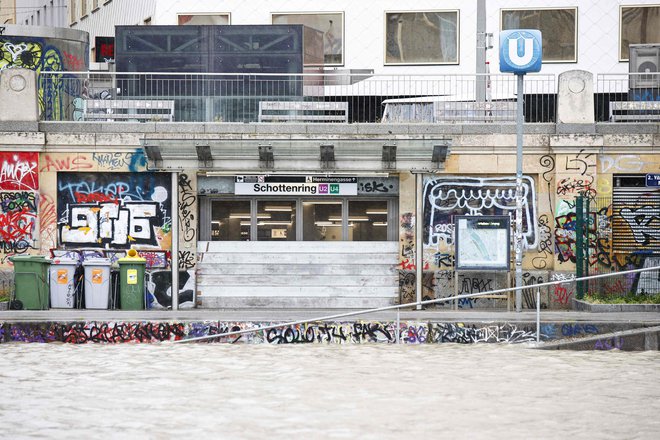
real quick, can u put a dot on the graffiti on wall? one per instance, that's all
(19, 171)
(19, 203)
(116, 210)
(446, 197)
(187, 222)
(58, 93)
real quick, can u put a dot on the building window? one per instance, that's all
(323, 36)
(72, 11)
(83, 8)
(558, 28)
(639, 25)
(305, 219)
(276, 220)
(230, 220)
(425, 37)
(322, 220)
(95, 5)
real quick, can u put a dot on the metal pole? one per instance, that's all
(174, 291)
(480, 94)
(538, 315)
(519, 193)
(419, 231)
(398, 324)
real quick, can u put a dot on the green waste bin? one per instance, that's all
(30, 282)
(131, 281)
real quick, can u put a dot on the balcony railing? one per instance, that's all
(629, 97)
(277, 98)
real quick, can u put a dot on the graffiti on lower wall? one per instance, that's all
(114, 210)
(358, 332)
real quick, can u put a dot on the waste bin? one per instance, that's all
(131, 281)
(30, 282)
(97, 283)
(63, 283)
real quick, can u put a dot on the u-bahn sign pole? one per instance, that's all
(520, 53)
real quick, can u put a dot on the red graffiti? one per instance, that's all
(562, 295)
(94, 198)
(408, 264)
(18, 171)
(69, 163)
(73, 62)
(16, 225)
(615, 288)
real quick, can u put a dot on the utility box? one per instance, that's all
(131, 281)
(97, 283)
(30, 282)
(63, 283)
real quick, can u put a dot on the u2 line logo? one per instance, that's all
(520, 51)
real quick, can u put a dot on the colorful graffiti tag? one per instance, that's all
(19, 202)
(117, 210)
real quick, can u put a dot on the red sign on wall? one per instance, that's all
(19, 171)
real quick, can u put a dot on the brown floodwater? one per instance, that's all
(373, 391)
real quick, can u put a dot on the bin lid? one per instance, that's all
(97, 261)
(65, 261)
(29, 258)
(137, 260)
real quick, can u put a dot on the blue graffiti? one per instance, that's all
(578, 329)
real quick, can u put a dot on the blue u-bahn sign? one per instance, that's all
(520, 51)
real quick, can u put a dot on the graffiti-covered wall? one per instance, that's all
(19, 203)
(50, 50)
(550, 187)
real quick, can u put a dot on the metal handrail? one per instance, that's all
(398, 307)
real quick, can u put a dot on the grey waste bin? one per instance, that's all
(97, 283)
(63, 283)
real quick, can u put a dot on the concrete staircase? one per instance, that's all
(297, 274)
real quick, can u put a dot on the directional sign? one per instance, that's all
(520, 51)
(653, 179)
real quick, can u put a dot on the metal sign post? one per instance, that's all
(520, 52)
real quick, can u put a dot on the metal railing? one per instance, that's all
(628, 97)
(236, 97)
(398, 307)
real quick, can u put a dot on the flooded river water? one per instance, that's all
(325, 391)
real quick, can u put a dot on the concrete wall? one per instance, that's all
(45, 173)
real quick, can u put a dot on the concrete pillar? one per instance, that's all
(575, 98)
(18, 96)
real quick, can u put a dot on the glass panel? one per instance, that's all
(322, 221)
(230, 220)
(557, 27)
(208, 19)
(421, 37)
(276, 220)
(639, 25)
(323, 35)
(367, 220)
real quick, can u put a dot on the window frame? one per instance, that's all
(433, 63)
(551, 8)
(343, 33)
(206, 217)
(220, 14)
(620, 40)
